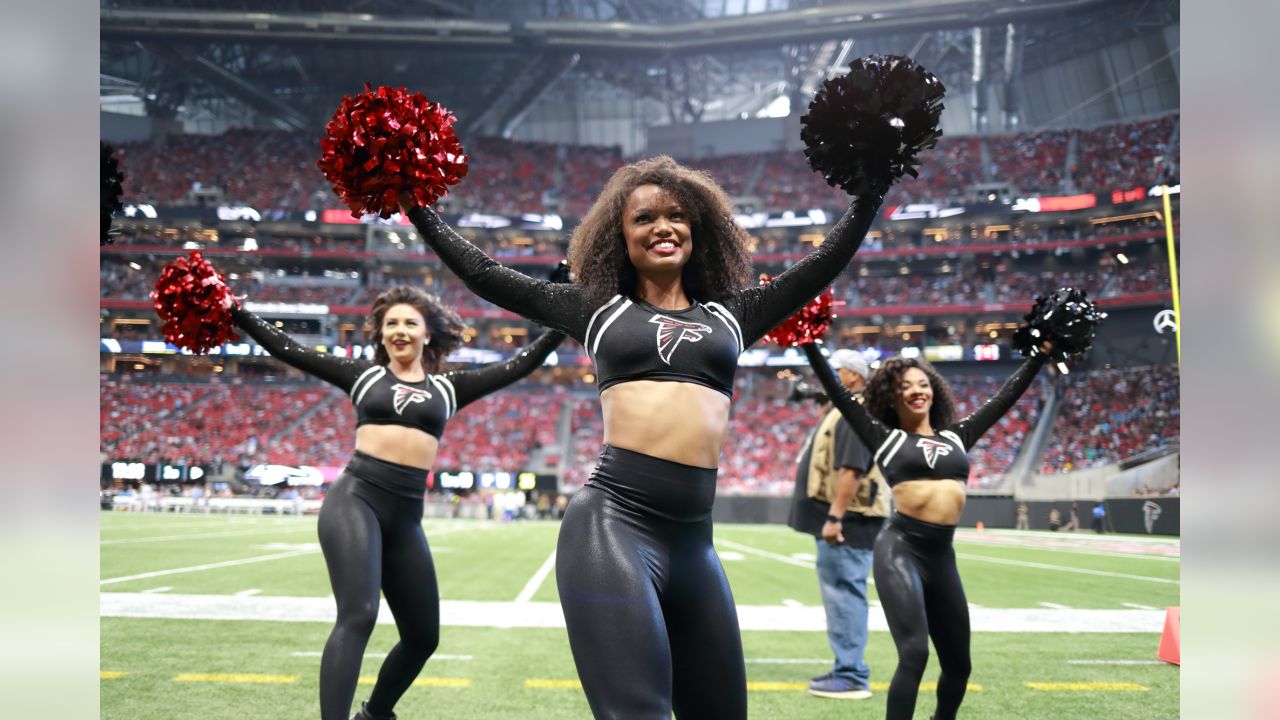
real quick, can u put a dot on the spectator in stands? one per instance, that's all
(370, 523)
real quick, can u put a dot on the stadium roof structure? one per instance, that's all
(288, 62)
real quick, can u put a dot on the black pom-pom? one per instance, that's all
(1067, 319)
(112, 189)
(560, 273)
(865, 129)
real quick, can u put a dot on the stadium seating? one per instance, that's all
(275, 170)
(1099, 423)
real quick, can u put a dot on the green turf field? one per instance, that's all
(210, 617)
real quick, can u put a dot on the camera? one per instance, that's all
(802, 391)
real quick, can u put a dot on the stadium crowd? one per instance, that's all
(308, 424)
(1099, 423)
(273, 170)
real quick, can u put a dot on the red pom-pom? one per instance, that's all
(384, 141)
(190, 297)
(809, 324)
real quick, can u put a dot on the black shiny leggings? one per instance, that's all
(651, 620)
(920, 590)
(371, 534)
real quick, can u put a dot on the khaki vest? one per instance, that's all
(872, 498)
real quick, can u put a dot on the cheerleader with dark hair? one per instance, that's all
(664, 305)
(371, 522)
(907, 419)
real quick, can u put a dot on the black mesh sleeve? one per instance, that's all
(559, 306)
(471, 385)
(761, 309)
(978, 422)
(341, 372)
(870, 431)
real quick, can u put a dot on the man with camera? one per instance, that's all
(842, 501)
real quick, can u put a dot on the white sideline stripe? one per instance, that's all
(1055, 606)
(315, 653)
(1066, 568)
(209, 566)
(224, 533)
(765, 553)
(788, 661)
(1082, 537)
(121, 521)
(249, 593)
(1115, 662)
(244, 561)
(1138, 606)
(1075, 550)
(489, 614)
(165, 588)
(535, 582)
(789, 602)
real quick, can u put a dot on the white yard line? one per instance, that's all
(1082, 537)
(162, 589)
(1066, 568)
(248, 593)
(764, 553)
(1115, 662)
(531, 587)
(1138, 606)
(1075, 551)
(470, 613)
(1055, 606)
(316, 653)
(189, 536)
(234, 563)
(208, 566)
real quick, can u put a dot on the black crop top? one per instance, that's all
(633, 340)
(380, 398)
(904, 456)
(630, 339)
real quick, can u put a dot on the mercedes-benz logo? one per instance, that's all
(1165, 320)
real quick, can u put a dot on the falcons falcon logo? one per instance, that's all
(406, 395)
(932, 449)
(672, 331)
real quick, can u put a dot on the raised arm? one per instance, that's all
(977, 423)
(761, 309)
(869, 430)
(341, 372)
(556, 305)
(471, 385)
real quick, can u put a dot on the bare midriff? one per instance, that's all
(398, 444)
(677, 421)
(935, 501)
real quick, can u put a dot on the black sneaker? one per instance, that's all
(364, 714)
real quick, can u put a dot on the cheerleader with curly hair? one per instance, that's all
(663, 304)
(907, 418)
